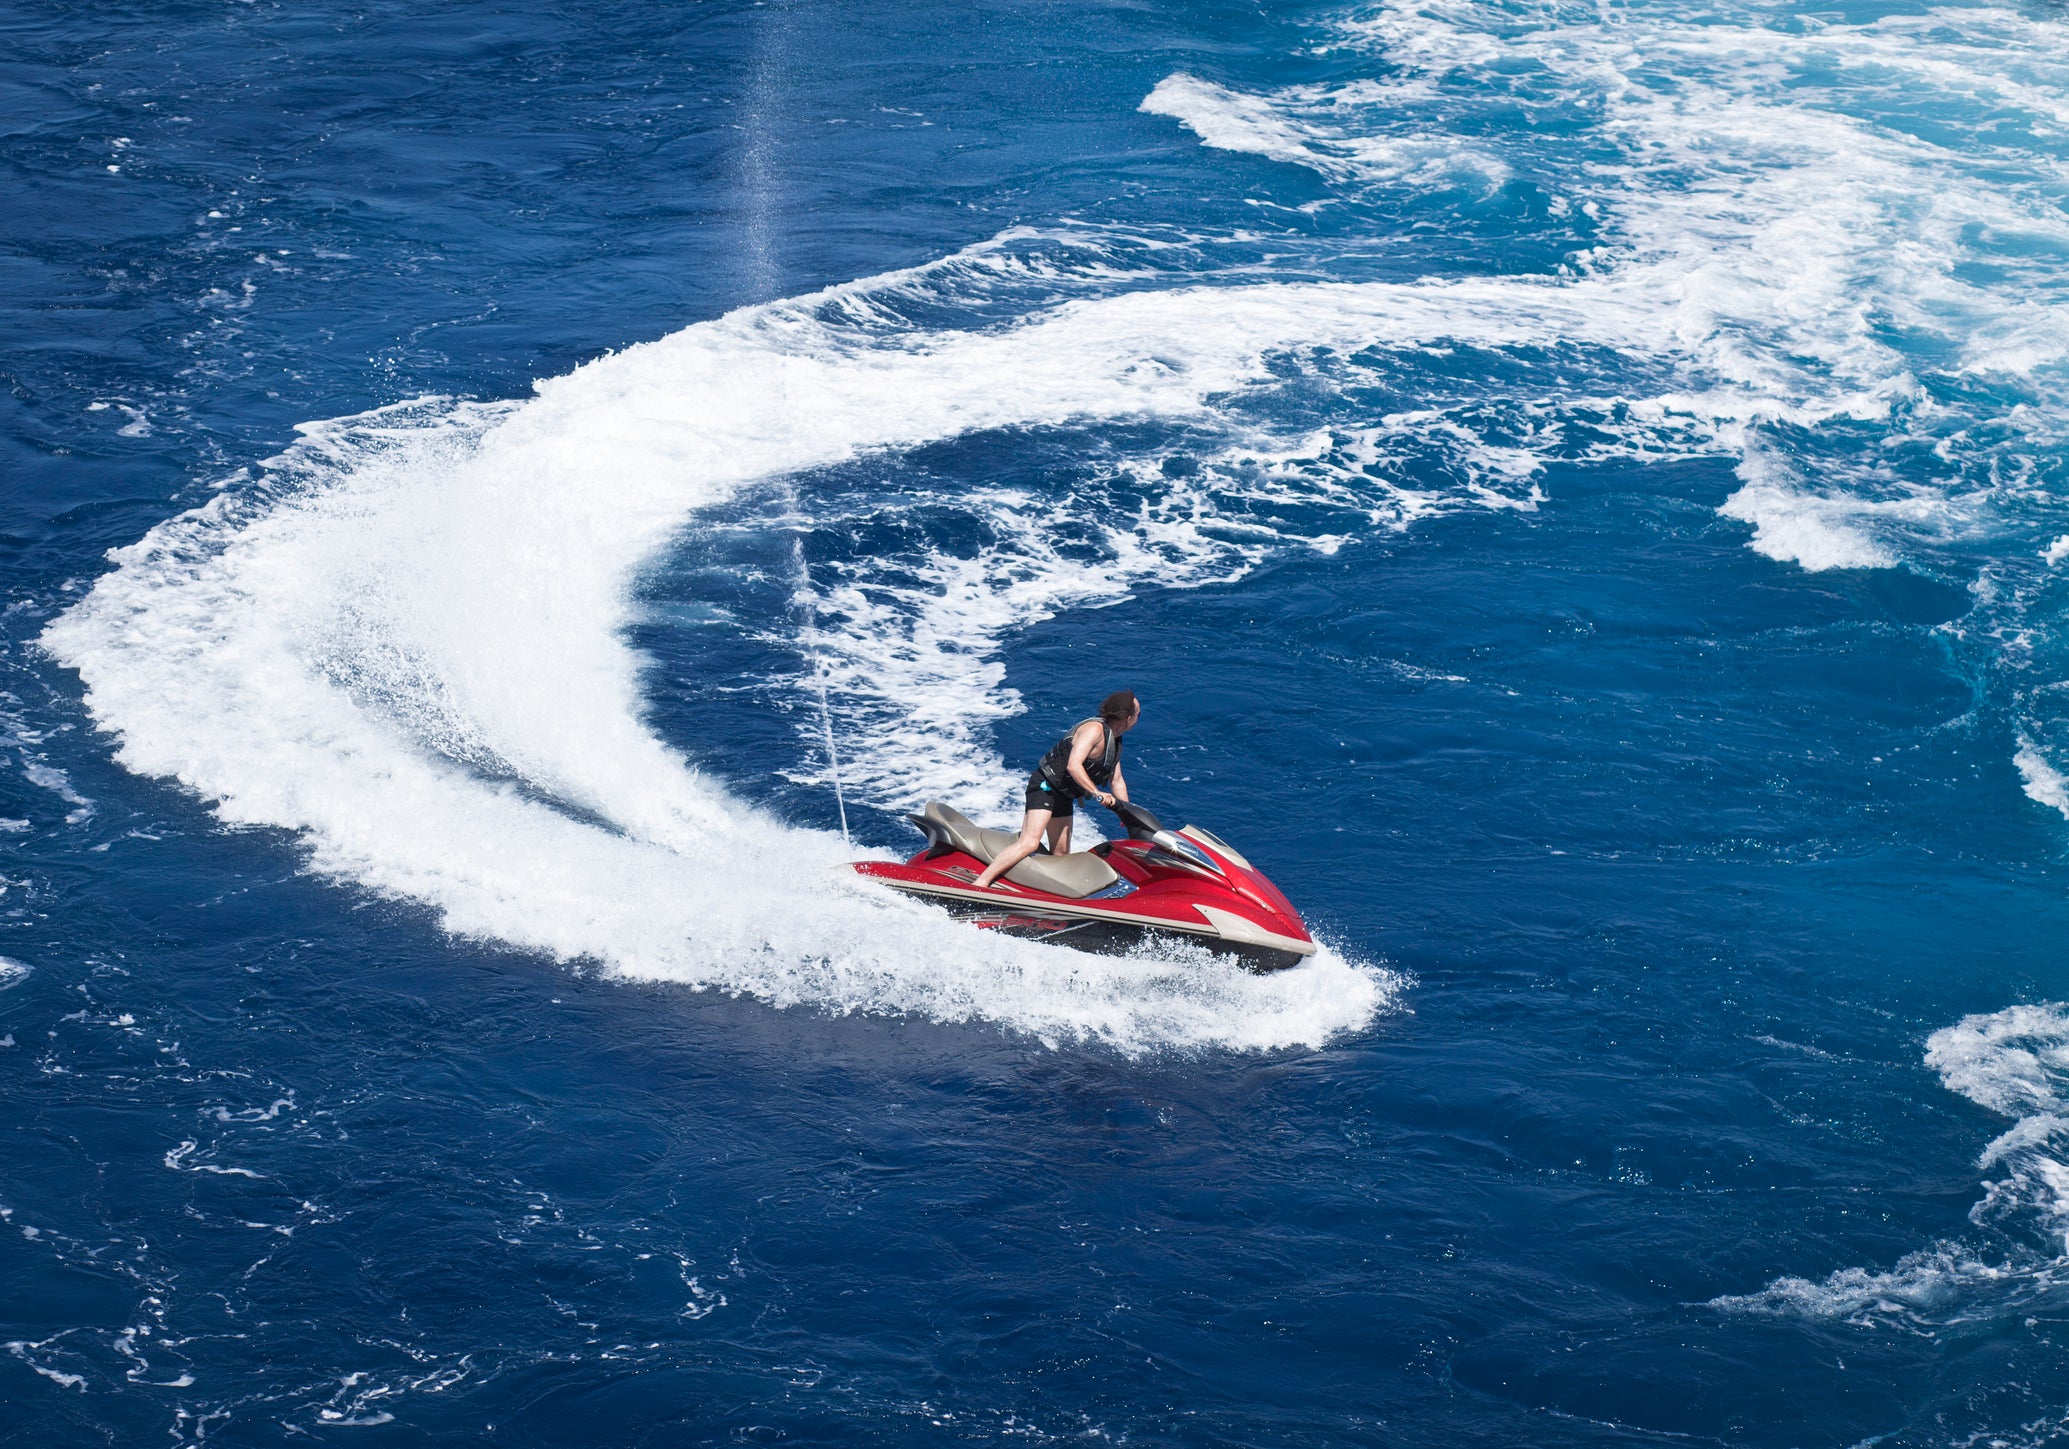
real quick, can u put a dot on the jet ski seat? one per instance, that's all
(1074, 876)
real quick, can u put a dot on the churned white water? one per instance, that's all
(2016, 1063)
(407, 644)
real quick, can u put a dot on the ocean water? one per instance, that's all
(489, 490)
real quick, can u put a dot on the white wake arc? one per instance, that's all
(409, 647)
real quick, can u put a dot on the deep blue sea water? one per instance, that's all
(1580, 490)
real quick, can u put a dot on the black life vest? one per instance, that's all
(1055, 766)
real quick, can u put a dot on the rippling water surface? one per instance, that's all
(1580, 489)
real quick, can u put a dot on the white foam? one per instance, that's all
(178, 1160)
(35, 765)
(407, 644)
(1317, 127)
(1778, 198)
(63, 1380)
(2014, 1062)
(2042, 782)
(58, 783)
(1794, 525)
(1933, 1285)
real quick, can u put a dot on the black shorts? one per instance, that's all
(1041, 795)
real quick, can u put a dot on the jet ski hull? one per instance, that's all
(1183, 885)
(1111, 938)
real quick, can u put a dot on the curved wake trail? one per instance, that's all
(409, 647)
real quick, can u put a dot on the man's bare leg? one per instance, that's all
(1059, 835)
(1031, 827)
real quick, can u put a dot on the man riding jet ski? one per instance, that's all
(1184, 883)
(1071, 772)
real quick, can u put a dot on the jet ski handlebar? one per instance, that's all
(1141, 824)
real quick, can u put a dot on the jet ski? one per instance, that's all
(1183, 884)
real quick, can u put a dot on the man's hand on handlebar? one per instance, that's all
(1106, 800)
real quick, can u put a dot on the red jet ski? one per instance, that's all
(1180, 883)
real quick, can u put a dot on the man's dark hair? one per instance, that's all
(1118, 707)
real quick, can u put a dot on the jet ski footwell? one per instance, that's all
(1184, 884)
